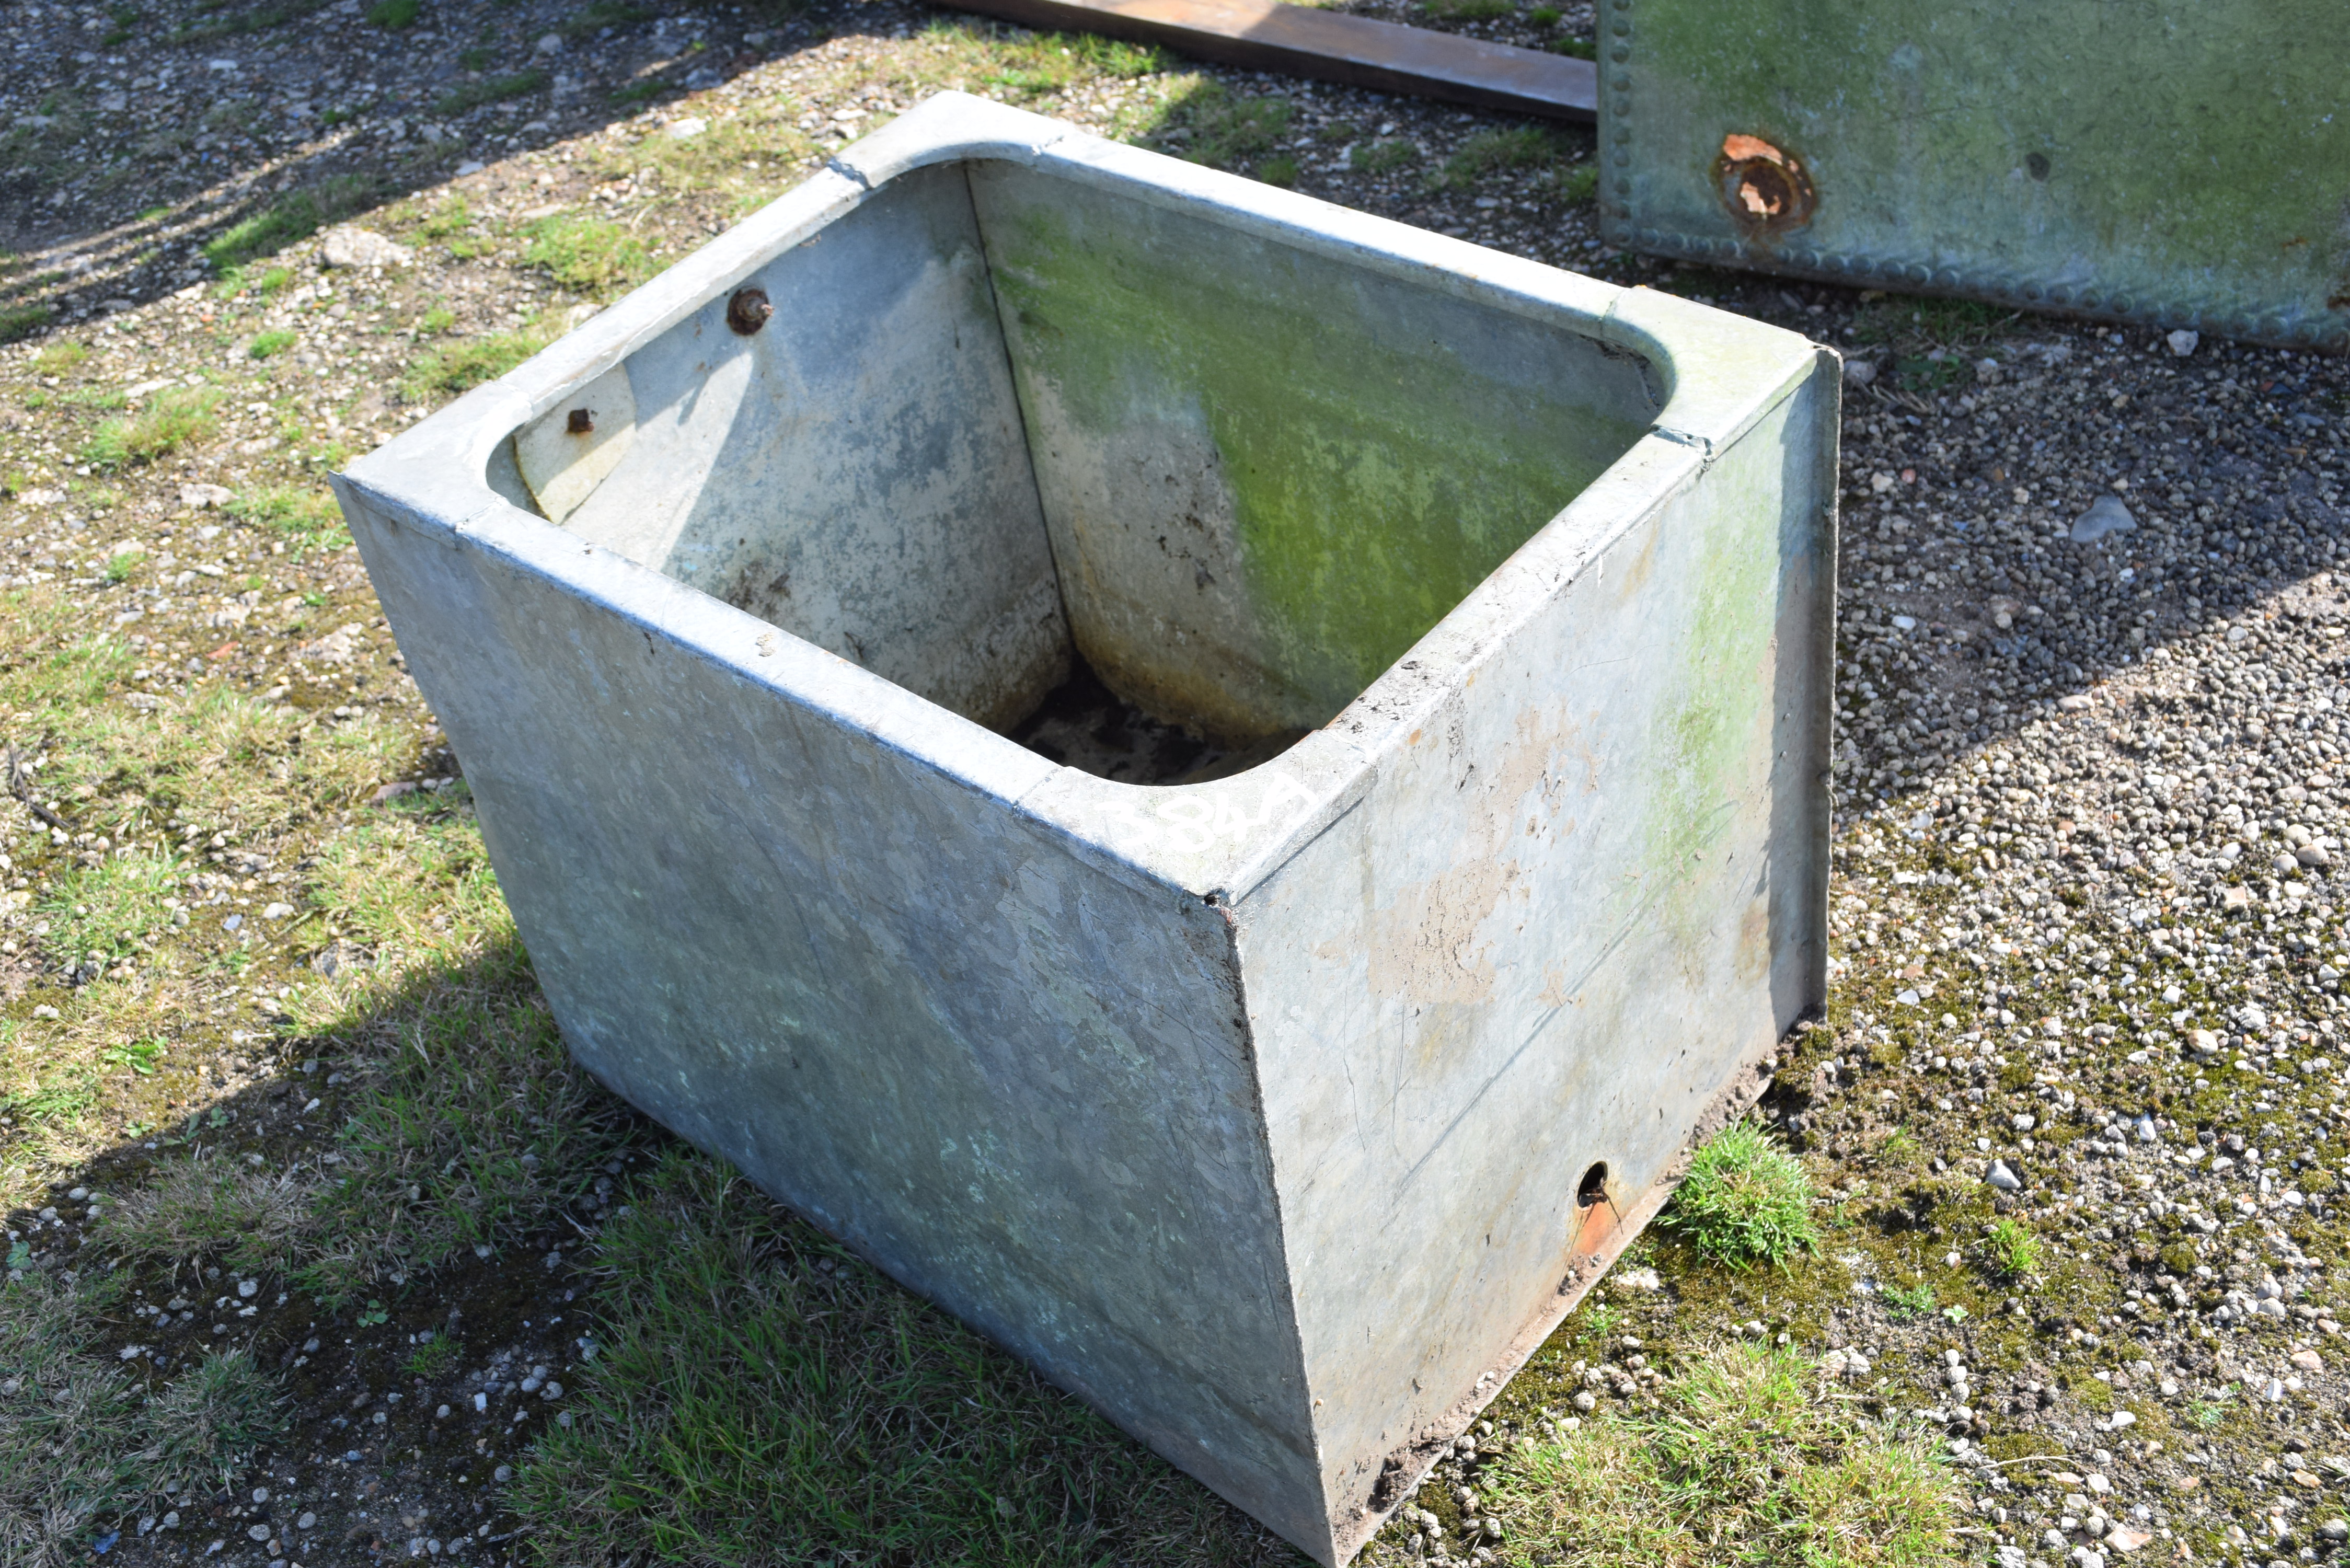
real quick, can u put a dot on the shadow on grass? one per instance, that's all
(393, 1201)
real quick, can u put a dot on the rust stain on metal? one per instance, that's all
(748, 311)
(1597, 1217)
(580, 421)
(1767, 190)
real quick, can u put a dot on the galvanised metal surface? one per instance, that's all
(2152, 161)
(1279, 1116)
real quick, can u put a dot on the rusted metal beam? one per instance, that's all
(1301, 41)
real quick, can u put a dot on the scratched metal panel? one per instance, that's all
(2151, 161)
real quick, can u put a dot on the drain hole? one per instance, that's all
(1593, 1189)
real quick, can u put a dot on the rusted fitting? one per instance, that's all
(580, 421)
(748, 311)
(1766, 190)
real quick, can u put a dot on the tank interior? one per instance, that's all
(1151, 493)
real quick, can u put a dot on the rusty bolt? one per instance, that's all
(748, 310)
(580, 422)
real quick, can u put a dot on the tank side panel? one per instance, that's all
(855, 471)
(1014, 1076)
(1575, 901)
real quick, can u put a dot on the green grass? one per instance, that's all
(395, 13)
(762, 1396)
(2013, 1251)
(1907, 1301)
(1466, 10)
(1382, 156)
(1579, 185)
(83, 1437)
(305, 515)
(435, 321)
(1575, 49)
(489, 89)
(1282, 171)
(211, 1205)
(436, 1357)
(106, 908)
(56, 358)
(62, 1095)
(1746, 1200)
(267, 343)
(289, 220)
(1746, 1459)
(1520, 148)
(175, 418)
(22, 320)
(1208, 125)
(605, 13)
(590, 255)
(470, 361)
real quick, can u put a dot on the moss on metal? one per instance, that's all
(1377, 475)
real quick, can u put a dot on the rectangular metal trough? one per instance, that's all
(1278, 1114)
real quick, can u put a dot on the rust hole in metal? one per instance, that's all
(748, 311)
(1766, 190)
(580, 421)
(1593, 1189)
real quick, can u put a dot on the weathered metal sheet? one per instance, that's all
(2149, 162)
(1280, 1117)
(1302, 40)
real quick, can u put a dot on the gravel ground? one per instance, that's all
(2087, 947)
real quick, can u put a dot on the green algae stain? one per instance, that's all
(1384, 448)
(1717, 721)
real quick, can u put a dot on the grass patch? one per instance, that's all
(211, 1205)
(267, 343)
(606, 14)
(175, 418)
(291, 218)
(1281, 171)
(590, 255)
(761, 1396)
(1747, 1460)
(84, 1438)
(2013, 1249)
(436, 1357)
(56, 358)
(395, 13)
(1382, 156)
(1466, 10)
(489, 89)
(1027, 68)
(471, 362)
(1208, 125)
(22, 320)
(1520, 148)
(1575, 49)
(1745, 1200)
(105, 911)
(305, 514)
(1907, 1301)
